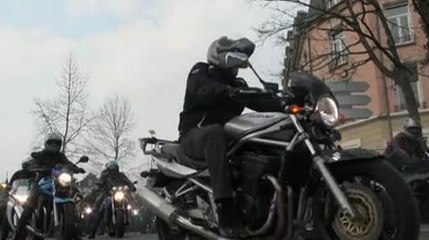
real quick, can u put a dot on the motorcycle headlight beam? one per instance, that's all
(65, 179)
(328, 111)
(119, 196)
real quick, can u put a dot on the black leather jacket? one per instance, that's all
(209, 99)
(109, 179)
(47, 160)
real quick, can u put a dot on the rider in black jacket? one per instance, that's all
(110, 177)
(407, 150)
(46, 159)
(210, 102)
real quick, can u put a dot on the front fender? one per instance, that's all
(354, 154)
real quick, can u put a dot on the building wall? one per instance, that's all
(317, 42)
(374, 133)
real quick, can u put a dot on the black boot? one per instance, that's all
(229, 220)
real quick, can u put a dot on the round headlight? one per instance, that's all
(119, 196)
(328, 110)
(65, 179)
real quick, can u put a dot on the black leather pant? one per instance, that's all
(210, 143)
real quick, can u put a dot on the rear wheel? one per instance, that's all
(384, 202)
(166, 232)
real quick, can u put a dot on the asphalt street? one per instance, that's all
(136, 236)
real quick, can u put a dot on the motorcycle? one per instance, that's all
(119, 205)
(55, 212)
(19, 191)
(417, 177)
(291, 181)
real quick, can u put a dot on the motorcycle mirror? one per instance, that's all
(83, 159)
(267, 85)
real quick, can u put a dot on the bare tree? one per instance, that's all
(109, 134)
(357, 18)
(67, 113)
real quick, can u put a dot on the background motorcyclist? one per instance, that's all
(407, 148)
(47, 159)
(20, 174)
(210, 102)
(110, 177)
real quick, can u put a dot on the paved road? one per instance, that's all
(135, 236)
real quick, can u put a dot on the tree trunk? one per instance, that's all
(402, 77)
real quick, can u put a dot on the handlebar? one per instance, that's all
(285, 94)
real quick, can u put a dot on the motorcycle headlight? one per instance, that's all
(88, 210)
(21, 198)
(65, 179)
(119, 196)
(328, 110)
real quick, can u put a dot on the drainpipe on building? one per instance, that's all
(386, 95)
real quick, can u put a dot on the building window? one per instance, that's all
(415, 85)
(399, 22)
(332, 3)
(338, 48)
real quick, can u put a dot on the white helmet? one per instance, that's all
(53, 142)
(227, 53)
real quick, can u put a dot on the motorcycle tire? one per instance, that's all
(120, 223)
(67, 229)
(398, 218)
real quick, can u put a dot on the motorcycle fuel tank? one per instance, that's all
(250, 122)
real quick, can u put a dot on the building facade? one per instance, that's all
(320, 46)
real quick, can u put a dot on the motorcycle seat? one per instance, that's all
(175, 152)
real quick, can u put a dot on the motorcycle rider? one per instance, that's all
(409, 142)
(210, 102)
(110, 177)
(48, 158)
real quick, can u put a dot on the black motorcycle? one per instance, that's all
(55, 214)
(118, 204)
(416, 174)
(291, 180)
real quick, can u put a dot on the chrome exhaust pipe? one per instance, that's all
(157, 204)
(169, 213)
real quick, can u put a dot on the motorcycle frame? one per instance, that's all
(116, 204)
(319, 163)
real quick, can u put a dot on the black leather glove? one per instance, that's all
(133, 188)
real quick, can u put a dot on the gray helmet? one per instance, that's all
(412, 128)
(53, 142)
(228, 53)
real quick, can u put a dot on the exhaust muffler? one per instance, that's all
(170, 214)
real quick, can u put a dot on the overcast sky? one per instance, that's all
(139, 49)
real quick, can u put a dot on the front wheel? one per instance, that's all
(383, 200)
(120, 223)
(66, 216)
